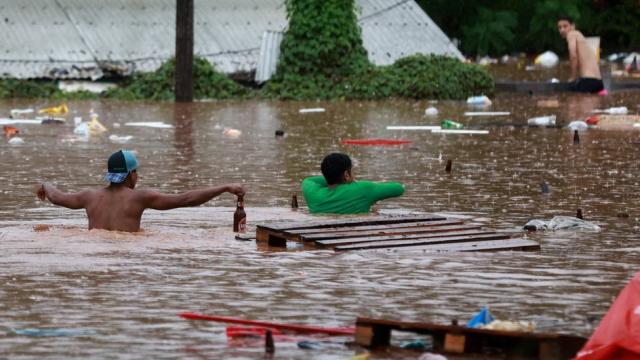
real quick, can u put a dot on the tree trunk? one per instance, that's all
(184, 50)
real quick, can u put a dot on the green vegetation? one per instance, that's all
(159, 84)
(322, 57)
(16, 88)
(530, 26)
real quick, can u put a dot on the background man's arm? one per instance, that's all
(380, 191)
(159, 201)
(57, 197)
(572, 42)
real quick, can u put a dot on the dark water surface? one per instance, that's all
(123, 291)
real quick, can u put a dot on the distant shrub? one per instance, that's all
(159, 84)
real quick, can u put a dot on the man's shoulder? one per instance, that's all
(575, 34)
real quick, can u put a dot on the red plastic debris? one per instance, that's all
(375, 142)
(592, 120)
(618, 335)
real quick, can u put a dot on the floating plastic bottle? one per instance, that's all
(431, 111)
(479, 100)
(548, 121)
(450, 124)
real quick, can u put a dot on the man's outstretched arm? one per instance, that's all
(57, 197)
(160, 201)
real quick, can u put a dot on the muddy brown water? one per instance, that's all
(123, 292)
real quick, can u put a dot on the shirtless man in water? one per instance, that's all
(119, 206)
(585, 73)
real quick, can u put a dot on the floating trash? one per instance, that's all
(460, 131)
(61, 109)
(479, 100)
(548, 121)
(412, 127)
(578, 125)
(232, 133)
(483, 317)
(431, 111)
(16, 141)
(20, 112)
(561, 223)
(151, 124)
(547, 59)
(10, 131)
(53, 332)
(9, 121)
(487, 113)
(548, 103)
(620, 110)
(311, 110)
(119, 139)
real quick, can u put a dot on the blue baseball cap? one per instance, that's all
(119, 165)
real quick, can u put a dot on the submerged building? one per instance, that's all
(91, 39)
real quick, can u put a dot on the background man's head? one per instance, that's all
(565, 25)
(336, 169)
(121, 168)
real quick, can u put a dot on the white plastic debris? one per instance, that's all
(16, 141)
(479, 100)
(119, 139)
(636, 125)
(8, 121)
(20, 112)
(620, 110)
(461, 132)
(311, 110)
(431, 111)
(232, 133)
(77, 120)
(487, 113)
(562, 223)
(549, 121)
(629, 59)
(554, 80)
(412, 127)
(81, 129)
(578, 125)
(150, 124)
(547, 59)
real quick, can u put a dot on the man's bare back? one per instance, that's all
(119, 206)
(585, 56)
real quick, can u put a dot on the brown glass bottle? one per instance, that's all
(240, 217)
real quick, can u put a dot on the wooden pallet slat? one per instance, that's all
(510, 244)
(365, 228)
(425, 241)
(434, 226)
(409, 237)
(461, 339)
(371, 220)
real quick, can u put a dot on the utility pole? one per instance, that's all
(184, 50)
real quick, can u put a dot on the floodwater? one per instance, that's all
(120, 294)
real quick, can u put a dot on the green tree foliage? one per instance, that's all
(322, 57)
(493, 33)
(614, 21)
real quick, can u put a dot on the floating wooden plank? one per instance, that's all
(434, 226)
(423, 241)
(461, 339)
(495, 245)
(365, 228)
(369, 220)
(474, 230)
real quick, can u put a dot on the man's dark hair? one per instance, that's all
(333, 166)
(565, 17)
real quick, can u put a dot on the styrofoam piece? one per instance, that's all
(487, 113)
(413, 127)
(119, 139)
(151, 124)
(16, 141)
(463, 131)
(311, 110)
(431, 111)
(8, 121)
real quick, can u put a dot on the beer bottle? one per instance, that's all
(240, 217)
(294, 201)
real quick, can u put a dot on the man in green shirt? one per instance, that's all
(337, 192)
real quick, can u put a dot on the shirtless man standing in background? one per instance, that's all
(585, 73)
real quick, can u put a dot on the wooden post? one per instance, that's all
(184, 51)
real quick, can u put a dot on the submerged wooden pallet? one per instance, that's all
(423, 232)
(464, 340)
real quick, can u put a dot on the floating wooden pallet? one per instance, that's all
(464, 340)
(424, 232)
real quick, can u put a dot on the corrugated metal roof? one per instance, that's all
(83, 38)
(269, 54)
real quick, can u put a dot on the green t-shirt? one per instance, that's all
(354, 198)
